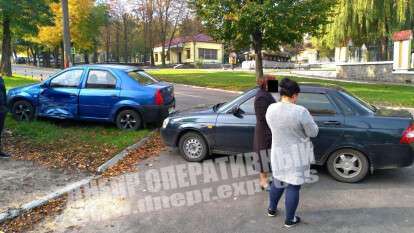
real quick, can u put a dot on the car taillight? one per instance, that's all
(158, 97)
(408, 135)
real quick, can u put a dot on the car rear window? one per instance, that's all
(361, 102)
(142, 77)
(316, 103)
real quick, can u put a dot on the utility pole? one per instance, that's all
(66, 35)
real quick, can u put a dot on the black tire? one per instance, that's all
(193, 147)
(23, 110)
(128, 120)
(348, 165)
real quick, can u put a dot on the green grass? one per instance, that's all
(378, 94)
(17, 80)
(48, 132)
(78, 140)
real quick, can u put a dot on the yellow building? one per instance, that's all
(198, 49)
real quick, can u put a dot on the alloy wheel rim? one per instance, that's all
(348, 165)
(128, 121)
(193, 148)
(23, 112)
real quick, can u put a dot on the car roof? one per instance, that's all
(126, 68)
(313, 87)
(318, 87)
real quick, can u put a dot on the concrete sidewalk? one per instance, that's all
(382, 203)
(24, 181)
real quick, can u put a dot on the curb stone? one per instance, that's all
(210, 88)
(15, 212)
(123, 153)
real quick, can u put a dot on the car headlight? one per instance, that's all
(165, 122)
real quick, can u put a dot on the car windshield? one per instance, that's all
(353, 98)
(228, 105)
(142, 77)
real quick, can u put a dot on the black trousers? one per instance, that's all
(2, 119)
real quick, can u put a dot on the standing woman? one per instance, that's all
(262, 135)
(292, 126)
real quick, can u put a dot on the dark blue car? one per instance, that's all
(125, 95)
(354, 137)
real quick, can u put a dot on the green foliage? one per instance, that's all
(367, 21)
(26, 15)
(279, 21)
(90, 26)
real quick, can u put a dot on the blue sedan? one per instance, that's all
(125, 95)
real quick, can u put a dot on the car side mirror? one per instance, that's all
(236, 111)
(44, 85)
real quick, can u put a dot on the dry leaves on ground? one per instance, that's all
(27, 220)
(151, 148)
(62, 154)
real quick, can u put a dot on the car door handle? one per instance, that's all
(331, 123)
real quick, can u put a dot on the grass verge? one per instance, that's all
(378, 94)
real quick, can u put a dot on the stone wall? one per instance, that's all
(373, 71)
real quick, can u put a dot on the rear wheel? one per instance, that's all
(193, 147)
(23, 110)
(128, 120)
(348, 165)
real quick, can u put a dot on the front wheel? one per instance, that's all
(193, 147)
(348, 165)
(23, 110)
(128, 120)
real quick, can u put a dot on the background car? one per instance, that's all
(125, 95)
(354, 137)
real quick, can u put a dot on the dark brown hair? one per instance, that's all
(262, 83)
(288, 87)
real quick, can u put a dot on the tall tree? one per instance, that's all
(169, 14)
(93, 20)
(368, 21)
(145, 11)
(262, 24)
(191, 25)
(24, 16)
(86, 20)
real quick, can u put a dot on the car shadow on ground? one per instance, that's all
(391, 177)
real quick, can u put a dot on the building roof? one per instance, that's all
(195, 38)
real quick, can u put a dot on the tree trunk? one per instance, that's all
(15, 54)
(163, 54)
(34, 55)
(257, 45)
(5, 66)
(66, 35)
(95, 56)
(46, 59)
(117, 44)
(62, 53)
(125, 22)
(56, 56)
(108, 44)
(152, 57)
(86, 58)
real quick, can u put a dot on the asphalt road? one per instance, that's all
(205, 200)
(41, 73)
